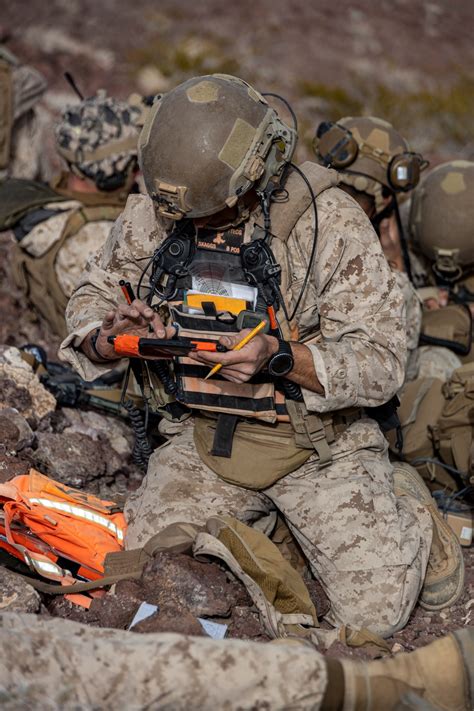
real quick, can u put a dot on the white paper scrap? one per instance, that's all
(213, 629)
(145, 610)
(466, 533)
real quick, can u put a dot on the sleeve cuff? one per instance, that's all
(69, 353)
(338, 376)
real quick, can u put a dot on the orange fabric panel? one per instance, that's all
(56, 520)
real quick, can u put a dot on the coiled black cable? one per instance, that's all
(142, 451)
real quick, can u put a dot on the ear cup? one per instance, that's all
(335, 145)
(404, 171)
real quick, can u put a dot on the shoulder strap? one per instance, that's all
(285, 215)
(127, 564)
(18, 197)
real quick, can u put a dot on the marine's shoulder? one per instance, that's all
(139, 211)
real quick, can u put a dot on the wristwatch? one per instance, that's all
(282, 362)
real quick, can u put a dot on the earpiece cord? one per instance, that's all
(315, 241)
(142, 276)
(284, 101)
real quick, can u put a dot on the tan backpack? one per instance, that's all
(36, 276)
(438, 424)
(450, 327)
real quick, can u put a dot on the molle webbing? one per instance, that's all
(253, 399)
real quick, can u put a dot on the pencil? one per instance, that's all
(238, 347)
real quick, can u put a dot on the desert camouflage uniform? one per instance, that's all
(80, 667)
(27, 123)
(413, 322)
(368, 548)
(99, 127)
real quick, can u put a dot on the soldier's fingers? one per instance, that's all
(231, 340)
(152, 317)
(108, 320)
(230, 358)
(129, 313)
(234, 376)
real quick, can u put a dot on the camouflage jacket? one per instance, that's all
(352, 297)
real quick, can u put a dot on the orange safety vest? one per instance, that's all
(61, 533)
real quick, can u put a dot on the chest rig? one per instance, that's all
(219, 264)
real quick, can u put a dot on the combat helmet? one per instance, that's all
(442, 218)
(98, 138)
(370, 154)
(207, 142)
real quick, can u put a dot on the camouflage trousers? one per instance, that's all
(57, 664)
(368, 548)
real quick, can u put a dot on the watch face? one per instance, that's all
(281, 364)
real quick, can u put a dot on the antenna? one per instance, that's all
(70, 80)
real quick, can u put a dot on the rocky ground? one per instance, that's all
(406, 61)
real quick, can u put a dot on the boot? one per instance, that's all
(439, 676)
(444, 581)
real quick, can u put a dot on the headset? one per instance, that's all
(337, 148)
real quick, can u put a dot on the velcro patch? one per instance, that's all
(238, 143)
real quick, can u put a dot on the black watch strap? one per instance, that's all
(93, 343)
(282, 362)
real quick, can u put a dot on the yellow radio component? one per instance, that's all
(222, 303)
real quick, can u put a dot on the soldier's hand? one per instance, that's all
(137, 319)
(240, 366)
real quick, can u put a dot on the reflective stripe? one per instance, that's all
(81, 513)
(43, 567)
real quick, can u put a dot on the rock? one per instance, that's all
(97, 426)
(20, 387)
(397, 648)
(168, 619)
(74, 459)
(202, 588)
(12, 466)
(318, 597)
(16, 595)
(15, 432)
(115, 611)
(246, 624)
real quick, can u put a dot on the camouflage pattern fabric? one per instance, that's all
(74, 254)
(28, 122)
(99, 135)
(353, 297)
(368, 549)
(437, 362)
(60, 664)
(413, 322)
